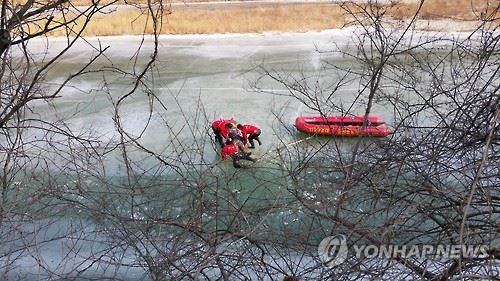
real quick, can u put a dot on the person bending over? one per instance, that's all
(231, 150)
(217, 127)
(221, 127)
(250, 133)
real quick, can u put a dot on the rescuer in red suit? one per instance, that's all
(250, 133)
(231, 150)
(216, 125)
(220, 130)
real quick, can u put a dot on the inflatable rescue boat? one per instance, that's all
(343, 126)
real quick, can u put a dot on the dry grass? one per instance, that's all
(449, 9)
(258, 19)
(299, 18)
(292, 18)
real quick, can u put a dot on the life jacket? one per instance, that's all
(217, 124)
(250, 129)
(221, 127)
(229, 150)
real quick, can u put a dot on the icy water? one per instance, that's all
(218, 72)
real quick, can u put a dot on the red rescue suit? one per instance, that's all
(229, 150)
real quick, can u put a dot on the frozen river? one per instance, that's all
(221, 72)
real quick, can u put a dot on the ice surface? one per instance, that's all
(217, 71)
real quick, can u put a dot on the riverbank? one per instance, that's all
(259, 17)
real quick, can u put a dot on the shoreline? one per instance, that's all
(331, 31)
(216, 45)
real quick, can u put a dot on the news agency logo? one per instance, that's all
(333, 251)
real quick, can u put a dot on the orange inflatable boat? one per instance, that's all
(343, 126)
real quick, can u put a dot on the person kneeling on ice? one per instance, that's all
(219, 130)
(250, 133)
(230, 149)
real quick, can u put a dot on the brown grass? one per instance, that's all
(297, 18)
(467, 10)
(292, 18)
(258, 19)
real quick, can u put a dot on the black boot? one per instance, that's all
(236, 164)
(252, 144)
